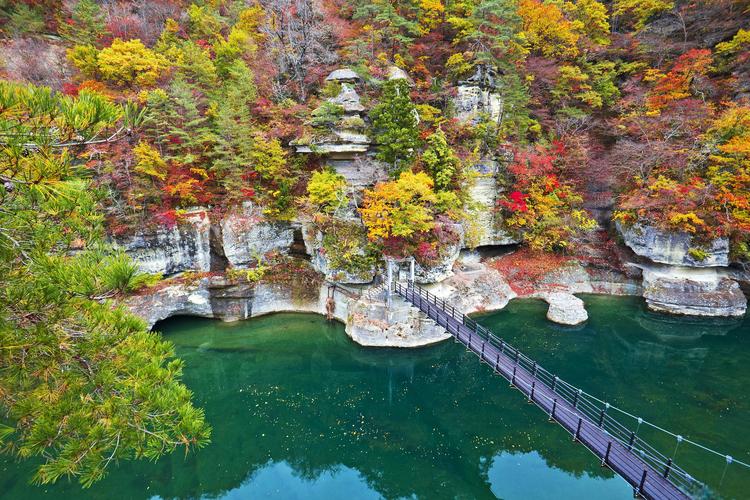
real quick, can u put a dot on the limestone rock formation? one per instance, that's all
(673, 248)
(347, 138)
(565, 309)
(689, 291)
(320, 259)
(371, 323)
(484, 192)
(246, 235)
(479, 94)
(171, 250)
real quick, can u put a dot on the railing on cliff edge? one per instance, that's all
(594, 410)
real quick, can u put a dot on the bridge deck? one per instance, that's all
(646, 481)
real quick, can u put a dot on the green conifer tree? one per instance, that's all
(394, 122)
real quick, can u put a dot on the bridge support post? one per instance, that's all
(411, 270)
(531, 394)
(606, 455)
(577, 437)
(639, 489)
(389, 279)
(552, 413)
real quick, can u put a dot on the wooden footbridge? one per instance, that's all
(589, 420)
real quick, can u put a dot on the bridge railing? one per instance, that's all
(595, 410)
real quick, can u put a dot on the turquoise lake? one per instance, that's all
(301, 412)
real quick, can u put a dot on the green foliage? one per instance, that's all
(25, 19)
(698, 254)
(440, 161)
(326, 115)
(83, 383)
(326, 191)
(347, 249)
(394, 122)
(86, 23)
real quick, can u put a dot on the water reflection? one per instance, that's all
(299, 411)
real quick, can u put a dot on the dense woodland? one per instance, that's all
(116, 115)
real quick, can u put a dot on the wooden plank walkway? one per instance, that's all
(647, 482)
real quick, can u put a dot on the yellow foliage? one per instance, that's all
(399, 208)
(130, 62)
(430, 15)
(149, 161)
(688, 222)
(546, 30)
(85, 58)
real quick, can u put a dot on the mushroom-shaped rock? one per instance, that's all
(396, 73)
(565, 309)
(348, 99)
(343, 75)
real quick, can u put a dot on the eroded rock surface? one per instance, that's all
(246, 236)
(565, 309)
(478, 95)
(698, 292)
(677, 249)
(171, 250)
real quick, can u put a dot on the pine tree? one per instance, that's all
(86, 23)
(394, 122)
(83, 384)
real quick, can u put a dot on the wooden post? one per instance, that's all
(531, 394)
(552, 413)
(637, 492)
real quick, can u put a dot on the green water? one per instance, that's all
(299, 411)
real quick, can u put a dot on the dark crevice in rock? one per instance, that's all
(297, 248)
(218, 259)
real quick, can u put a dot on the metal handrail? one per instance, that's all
(594, 409)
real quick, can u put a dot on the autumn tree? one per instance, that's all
(85, 25)
(637, 13)
(399, 208)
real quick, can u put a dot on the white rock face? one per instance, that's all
(371, 323)
(479, 94)
(186, 246)
(485, 192)
(565, 309)
(246, 236)
(689, 291)
(472, 100)
(367, 318)
(673, 248)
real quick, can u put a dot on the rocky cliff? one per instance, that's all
(681, 276)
